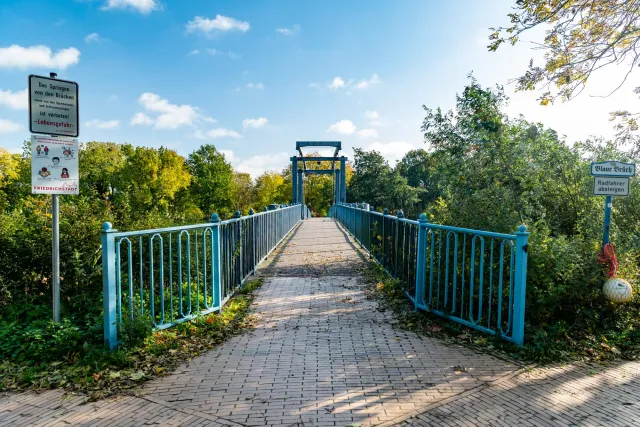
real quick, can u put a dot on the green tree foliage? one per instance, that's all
(377, 183)
(495, 173)
(269, 189)
(242, 192)
(420, 170)
(213, 185)
(102, 165)
(11, 168)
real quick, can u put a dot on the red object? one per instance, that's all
(608, 256)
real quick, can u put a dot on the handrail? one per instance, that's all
(474, 277)
(174, 274)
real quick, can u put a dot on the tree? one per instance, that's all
(242, 191)
(212, 186)
(152, 177)
(102, 163)
(269, 189)
(419, 169)
(10, 167)
(583, 37)
(375, 182)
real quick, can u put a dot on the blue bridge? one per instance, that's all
(170, 275)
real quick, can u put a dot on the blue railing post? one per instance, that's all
(520, 283)
(109, 286)
(216, 269)
(385, 213)
(421, 260)
(254, 261)
(399, 215)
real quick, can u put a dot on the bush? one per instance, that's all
(489, 172)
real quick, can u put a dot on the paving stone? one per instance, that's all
(323, 355)
(320, 348)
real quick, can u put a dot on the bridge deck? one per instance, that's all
(321, 352)
(323, 355)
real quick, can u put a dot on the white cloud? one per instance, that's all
(102, 124)
(19, 57)
(220, 23)
(254, 123)
(374, 118)
(338, 83)
(142, 6)
(141, 119)
(372, 115)
(392, 151)
(15, 100)
(293, 31)
(217, 133)
(367, 133)
(257, 165)
(344, 127)
(7, 126)
(228, 155)
(93, 37)
(113, 97)
(258, 85)
(171, 116)
(365, 84)
(230, 54)
(194, 52)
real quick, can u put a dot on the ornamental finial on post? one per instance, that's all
(215, 218)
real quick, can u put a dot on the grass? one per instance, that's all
(101, 373)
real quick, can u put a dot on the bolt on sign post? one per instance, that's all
(611, 179)
(53, 111)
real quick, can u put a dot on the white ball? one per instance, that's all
(617, 290)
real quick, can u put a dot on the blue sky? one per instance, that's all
(252, 77)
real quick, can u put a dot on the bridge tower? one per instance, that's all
(299, 170)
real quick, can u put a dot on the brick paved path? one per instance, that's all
(577, 395)
(323, 355)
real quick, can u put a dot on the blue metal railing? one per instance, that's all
(171, 275)
(476, 278)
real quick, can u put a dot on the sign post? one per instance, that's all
(53, 110)
(611, 179)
